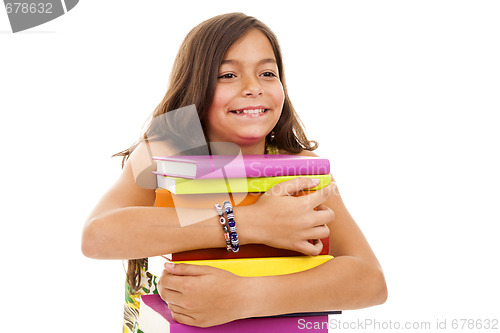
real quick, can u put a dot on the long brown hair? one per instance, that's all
(193, 80)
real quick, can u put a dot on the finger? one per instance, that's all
(311, 249)
(171, 282)
(319, 232)
(316, 198)
(184, 319)
(171, 297)
(178, 283)
(186, 269)
(292, 186)
(180, 315)
(318, 246)
(324, 215)
(321, 207)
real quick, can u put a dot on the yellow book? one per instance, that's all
(229, 185)
(264, 266)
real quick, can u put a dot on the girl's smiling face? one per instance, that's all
(248, 96)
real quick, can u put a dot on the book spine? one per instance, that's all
(264, 184)
(230, 185)
(252, 267)
(292, 167)
(249, 166)
(202, 168)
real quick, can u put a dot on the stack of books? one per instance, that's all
(200, 182)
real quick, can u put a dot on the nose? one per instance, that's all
(252, 87)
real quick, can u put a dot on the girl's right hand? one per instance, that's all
(285, 221)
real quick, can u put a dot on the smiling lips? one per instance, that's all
(250, 111)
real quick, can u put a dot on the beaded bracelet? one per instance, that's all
(222, 221)
(235, 244)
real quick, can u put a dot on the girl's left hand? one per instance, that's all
(200, 295)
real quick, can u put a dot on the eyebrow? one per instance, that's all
(260, 62)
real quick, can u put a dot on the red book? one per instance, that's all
(166, 199)
(240, 166)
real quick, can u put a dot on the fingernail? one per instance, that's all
(169, 265)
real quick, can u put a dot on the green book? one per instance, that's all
(229, 185)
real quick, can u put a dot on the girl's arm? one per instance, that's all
(353, 279)
(124, 225)
(205, 296)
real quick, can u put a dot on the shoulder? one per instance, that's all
(302, 153)
(149, 149)
(141, 164)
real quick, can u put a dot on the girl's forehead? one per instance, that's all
(253, 44)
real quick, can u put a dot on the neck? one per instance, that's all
(227, 148)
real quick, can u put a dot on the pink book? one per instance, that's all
(156, 317)
(239, 166)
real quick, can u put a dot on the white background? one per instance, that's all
(403, 97)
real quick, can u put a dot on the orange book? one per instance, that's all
(166, 199)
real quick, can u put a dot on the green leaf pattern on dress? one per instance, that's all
(149, 283)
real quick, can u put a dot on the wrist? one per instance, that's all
(257, 297)
(249, 220)
(250, 305)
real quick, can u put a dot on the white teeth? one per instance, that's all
(254, 111)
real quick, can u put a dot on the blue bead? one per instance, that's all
(231, 223)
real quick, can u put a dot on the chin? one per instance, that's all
(250, 141)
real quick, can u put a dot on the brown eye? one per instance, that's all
(269, 74)
(227, 76)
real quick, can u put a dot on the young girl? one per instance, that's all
(230, 67)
